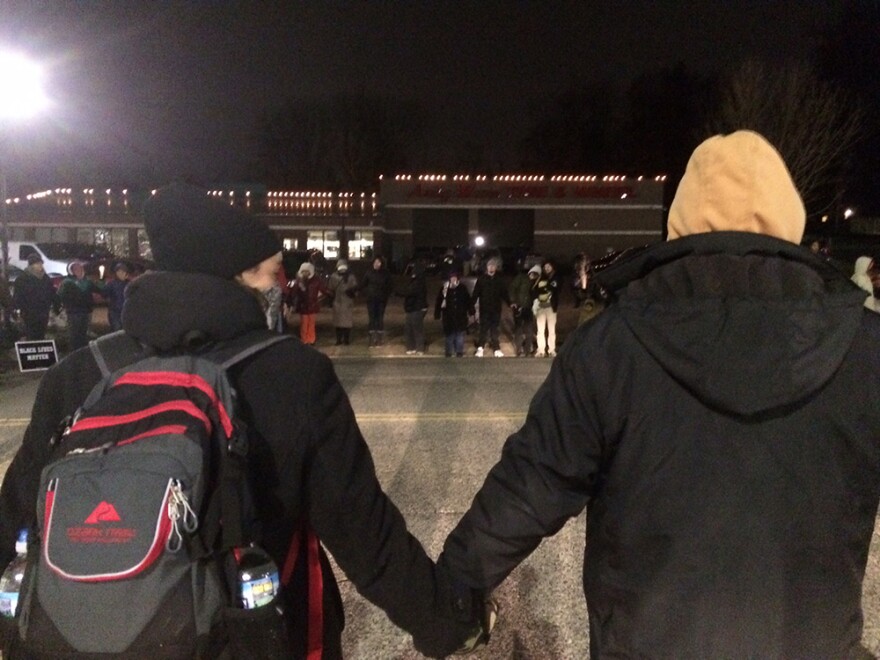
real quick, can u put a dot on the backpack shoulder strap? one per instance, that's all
(114, 351)
(227, 507)
(254, 343)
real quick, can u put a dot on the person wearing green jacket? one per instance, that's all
(77, 297)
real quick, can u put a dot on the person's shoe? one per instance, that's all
(449, 355)
(459, 355)
(479, 352)
(551, 354)
(419, 352)
(410, 352)
(498, 353)
(537, 354)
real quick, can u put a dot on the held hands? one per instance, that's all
(480, 636)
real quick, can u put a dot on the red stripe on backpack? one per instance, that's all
(187, 407)
(178, 379)
(169, 429)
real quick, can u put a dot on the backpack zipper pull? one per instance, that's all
(61, 430)
(182, 516)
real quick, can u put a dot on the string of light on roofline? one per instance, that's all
(64, 196)
(309, 202)
(525, 178)
(312, 195)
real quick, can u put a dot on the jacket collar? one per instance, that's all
(171, 310)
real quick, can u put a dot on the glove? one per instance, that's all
(480, 636)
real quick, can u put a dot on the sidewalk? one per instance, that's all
(394, 345)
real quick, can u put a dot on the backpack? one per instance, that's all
(141, 515)
(545, 293)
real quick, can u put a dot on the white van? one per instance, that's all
(56, 256)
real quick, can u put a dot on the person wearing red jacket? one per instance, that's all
(309, 291)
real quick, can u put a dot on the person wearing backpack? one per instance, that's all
(307, 463)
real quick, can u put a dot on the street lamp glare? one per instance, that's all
(21, 87)
(479, 241)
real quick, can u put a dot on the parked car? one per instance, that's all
(56, 256)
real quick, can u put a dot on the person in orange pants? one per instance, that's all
(309, 292)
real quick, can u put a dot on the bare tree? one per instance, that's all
(813, 124)
(344, 141)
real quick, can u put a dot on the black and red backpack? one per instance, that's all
(139, 516)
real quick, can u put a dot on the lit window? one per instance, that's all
(326, 242)
(360, 245)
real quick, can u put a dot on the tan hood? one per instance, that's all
(737, 182)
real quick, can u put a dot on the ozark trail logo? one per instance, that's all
(104, 512)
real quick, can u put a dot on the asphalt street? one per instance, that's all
(435, 427)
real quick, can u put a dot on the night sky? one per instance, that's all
(145, 92)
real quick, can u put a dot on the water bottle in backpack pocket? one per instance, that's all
(11, 580)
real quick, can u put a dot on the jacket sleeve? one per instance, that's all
(18, 296)
(546, 473)
(18, 495)
(61, 390)
(478, 291)
(364, 530)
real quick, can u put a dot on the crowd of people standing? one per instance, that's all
(473, 302)
(475, 305)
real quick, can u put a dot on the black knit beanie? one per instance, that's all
(191, 232)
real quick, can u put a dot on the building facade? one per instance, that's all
(556, 216)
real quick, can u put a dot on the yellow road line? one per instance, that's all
(14, 421)
(440, 416)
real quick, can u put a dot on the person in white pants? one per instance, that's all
(545, 304)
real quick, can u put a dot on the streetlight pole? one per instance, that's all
(4, 219)
(22, 97)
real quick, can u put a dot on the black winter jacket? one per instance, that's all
(415, 294)
(377, 284)
(34, 295)
(707, 420)
(453, 306)
(491, 291)
(307, 456)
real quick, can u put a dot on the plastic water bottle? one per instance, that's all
(10, 581)
(258, 581)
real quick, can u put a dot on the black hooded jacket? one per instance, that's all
(307, 457)
(708, 421)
